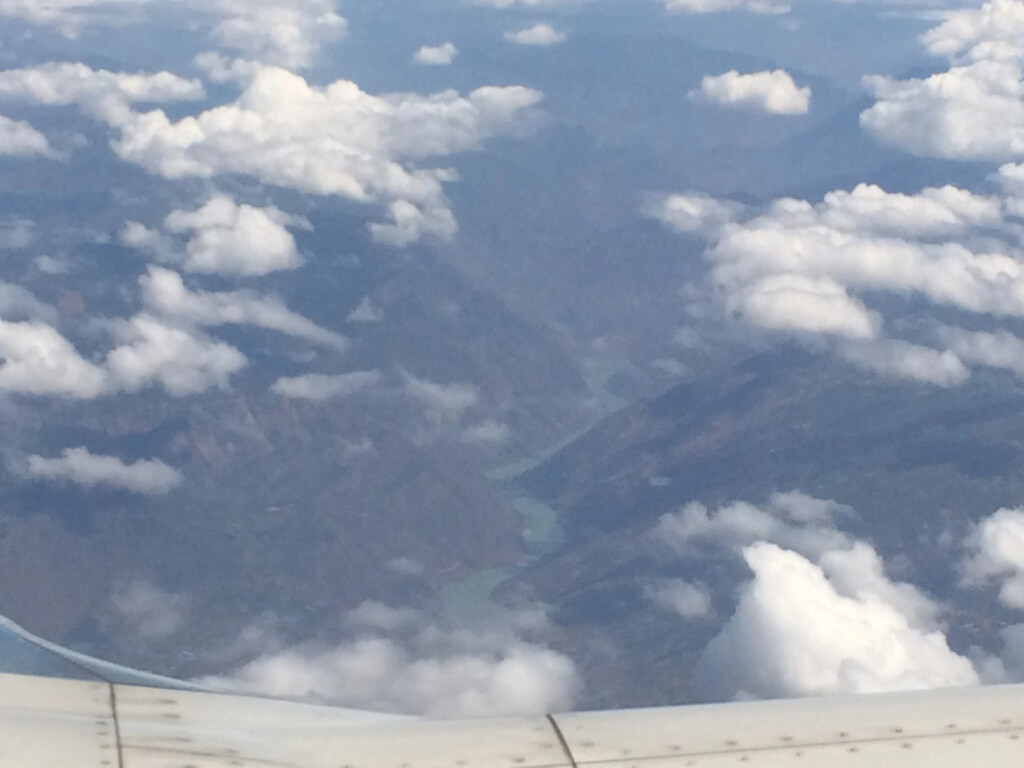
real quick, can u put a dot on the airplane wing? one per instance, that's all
(108, 717)
(59, 723)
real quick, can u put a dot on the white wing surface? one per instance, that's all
(50, 723)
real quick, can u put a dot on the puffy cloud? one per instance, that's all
(800, 630)
(691, 601)
(996, 553)
(444, 404)
(165, 293)
(336, 140)
(320, 387)
(436, 55)
(901, 359)
(238, 239)
(694, 212)
(108, 96)
(772, 91)
(996, 350)
(18, 303)
(541, 33)
(38, 360)
(807, 269)
(79, 466)
(366, 312)
(399, 662)
(713, 6)
(67, 15)
(183, 362)
(150, 612)
(799, 303)
(793, 519)
(288, 33)
(975, 109)
(19, 138)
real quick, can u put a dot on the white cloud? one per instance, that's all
(807, 269)
(541, 33)
(165, 293)
(800, 630)
(713, 6)
(288, 33)
(419, 668)
(79, 466)
(975, 109)
(996, 350)
(336, 140)
(901, 359)
(18, 303)
(691, 601)
(996, 554)
(19, 138)
(769, 91)
(320, 387)
(150, 612)
(366, 312)
(237, 239)
(66, 15)
(436, 55)
(107, 96)
(180, 360)
(793, 520)
(444, 404)
(38, 360)
(694, 212)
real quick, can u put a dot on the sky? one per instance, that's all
(847, 177)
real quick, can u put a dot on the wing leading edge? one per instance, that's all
(51, 723)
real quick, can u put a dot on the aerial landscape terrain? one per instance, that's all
(473, 357)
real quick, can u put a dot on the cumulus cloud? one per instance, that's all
(19, 138)
(165, 293)
(807, 269)
(336, 140)
(38, 360)
(691, 601)
(995, 553)
(182, 361)
(107, 96)
(792, 519)
(436, 55)
(366, 312)
(799, 630)
(79, 466)
(541, 33)
(224, 237)
(397, 661)
(975, 109)
(713, 6)
(1000, 349)
(17, 303)
(694, 212)
(443, 404)
(288, 33)
(321, 387)
(66, 15)
(148, 611)
(769, 91)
